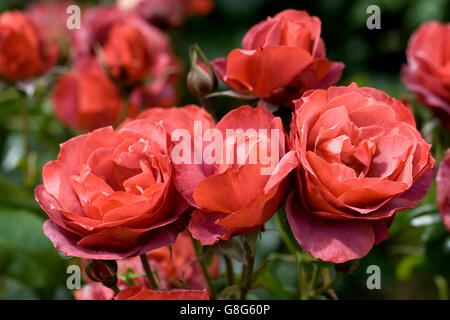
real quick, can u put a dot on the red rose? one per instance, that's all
(24, 51)
(139, 293)
(361, 159)
(132, 50)
(86, 98)
(111, 195)
(427, 73)
(443, 189)
(241, 191)
(280, 59)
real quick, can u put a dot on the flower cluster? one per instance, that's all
(162, 190)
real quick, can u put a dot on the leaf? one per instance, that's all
(229, 291)
(25, 253)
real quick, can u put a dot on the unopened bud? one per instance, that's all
(200, 79)
(104, 271)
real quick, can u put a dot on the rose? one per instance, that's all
(111, 194)
(360, 159)
(231, 193)
(24, 51)
(86, 98)
(281, 58)
(139, 293)
(427, 73)
(132, 50)
(443, 189)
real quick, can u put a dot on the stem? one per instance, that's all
(286, 239)
(204, 270)
(148, 271)
(123, 111)
(247, 272)
(230, 273)
(302, 283)
(330, 284)
(25, 139)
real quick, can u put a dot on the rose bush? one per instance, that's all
(427, 73)
(111, 193)
(280, 59)
(355, 170)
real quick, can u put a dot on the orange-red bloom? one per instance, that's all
(280, 59)
(139, 293)
(24, 51)
(111, 194)
(86, 98)
(427, 73)
(360, 159)
(235, 197)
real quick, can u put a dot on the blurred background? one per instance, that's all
(414, 261)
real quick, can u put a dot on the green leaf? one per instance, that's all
(25, 253)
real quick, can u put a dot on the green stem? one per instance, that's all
(302, 283)
(331, 284)
(123, 111)
(230, 273)
(25, 139)
(204, 270)
(284, 236)
(148, 271)
(247, 272)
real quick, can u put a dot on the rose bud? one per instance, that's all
(200, 79)
(24, 50)
(104, 271)
(110, 194)
(280, 59)
(443, 189)
(426, 73)
(139, 293)
(86, 99)
(360, 160)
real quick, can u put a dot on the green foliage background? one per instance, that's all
(414, 261)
